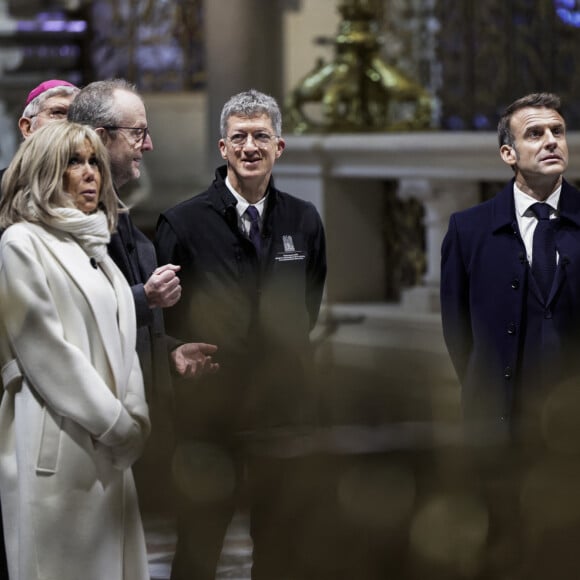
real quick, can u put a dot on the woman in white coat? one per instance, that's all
(73, 416)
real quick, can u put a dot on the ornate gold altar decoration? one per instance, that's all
(358, 90)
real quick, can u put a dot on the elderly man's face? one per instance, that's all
(54, 108)
(129, 140)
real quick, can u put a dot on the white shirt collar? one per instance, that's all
(523, 201)
(243, 203)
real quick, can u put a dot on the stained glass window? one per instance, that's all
(158, 44)
(568, 11)
(493, 52)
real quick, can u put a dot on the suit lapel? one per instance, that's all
(126, 323)
(504, 210)
(569, 212)
(504, 218)
(559, 280)
(121, 248)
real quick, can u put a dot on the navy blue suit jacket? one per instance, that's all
(500, 333)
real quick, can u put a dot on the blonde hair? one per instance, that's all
(32, 185)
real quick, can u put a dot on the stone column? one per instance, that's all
(440, 199)
(243, 51)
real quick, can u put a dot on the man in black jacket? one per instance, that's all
(253, 268)
(118, 114)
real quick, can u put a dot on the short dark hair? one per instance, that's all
(535, 100)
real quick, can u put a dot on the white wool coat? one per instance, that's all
(73, 416)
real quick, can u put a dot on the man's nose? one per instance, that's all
(147, 143)
(250, 142)
(550, 138)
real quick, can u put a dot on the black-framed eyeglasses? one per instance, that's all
(137, 134)
(260, 138)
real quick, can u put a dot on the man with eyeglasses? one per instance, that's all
(253, 268)
(117, 112)
(47, 102)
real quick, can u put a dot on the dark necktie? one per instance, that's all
(254, 227)
(543, 249)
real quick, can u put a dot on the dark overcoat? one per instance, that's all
(503, 338)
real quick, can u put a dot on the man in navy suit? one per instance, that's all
(513, 336)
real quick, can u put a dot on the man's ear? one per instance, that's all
(25, 126)
(223, 148)
(280, 146)
(102, 133)
(508, 154)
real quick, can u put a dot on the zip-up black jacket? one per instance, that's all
(258, 311)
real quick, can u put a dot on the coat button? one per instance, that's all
(515, 284)
(507, 373)
(511, 329)
(547, 314)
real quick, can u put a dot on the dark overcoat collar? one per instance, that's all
(504, 212)
(221, 198)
